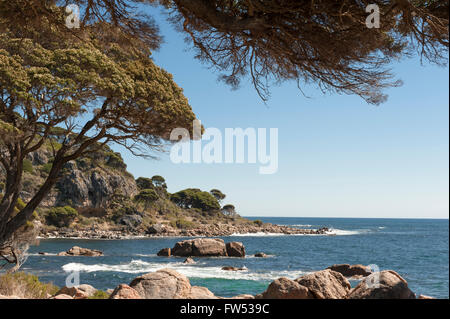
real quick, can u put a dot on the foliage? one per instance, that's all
(100, 294)
(25, 286)
(258, 222)
(61, 216)
(159, 181)
(144, 183)
(27, 166)
(146, 196)
(115, 160)
(218, 194)
(182, 224)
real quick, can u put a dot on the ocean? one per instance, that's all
(417, 249)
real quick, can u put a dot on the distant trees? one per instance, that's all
(159, 181)
(218, 194)
(229, 210)
(144, 183)
(195, 198)
(61, 216)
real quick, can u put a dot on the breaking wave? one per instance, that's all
(191, 271)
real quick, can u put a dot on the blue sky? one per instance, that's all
(338, 156)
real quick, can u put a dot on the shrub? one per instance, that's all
(99, 294)
(25, 286)
(61, 216)
(27, 166)
(147, 197)
(46, 168)
(115, 160)
(144, 183)
(182, 224)
(258, 222)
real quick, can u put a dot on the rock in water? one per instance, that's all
(124, 291)
(325, 284)
(230, 268)
(165, 252)
(235, 249)
(163, 284)
(260, 255)
(189, 260)
(284, 288)
(386, 284)
(200, 247)
(78, 251)
(351, 270)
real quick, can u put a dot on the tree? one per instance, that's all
(205, 201)
(218, 194)
(229, 210)
(144, 183)
(45, 87)
(61, 216)
(159, 181)
(325, 42)
(147, 197)
(185, 198)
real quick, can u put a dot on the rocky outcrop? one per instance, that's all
(124, 291)
(386, 284)
(284, 288)
(235, 249)
(260, 255)
(200, 247)
(78, 251)
(351, 270)
(9, 297)
(325, 284)
(155, 229)
(62, 296)
(168, 284)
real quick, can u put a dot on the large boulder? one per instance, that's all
(351, 270)
(325, 284)
(235, 249)
(131, 221)
(78, 292)
(162, 284)
(200, 247)
(78, 251)
(284, 288)
(386, 284)
(168, 284)
(155, 229)
(124, 291)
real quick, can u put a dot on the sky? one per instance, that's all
(338, 156)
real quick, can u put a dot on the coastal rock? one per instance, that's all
(243, 297)
(325, 284)
(9, 297)
(78, 292)
(155, 229)
(284, 288)
(386, 284)
(189, 260)
(131, 221)
(78, 251)
(260, 255)
(200, 293)
(351, 270)
(124, 291)
(62, 296)
(165, 252)
(235, 249)
(425, 297)
(230, 268)
(200, 247)
(162, 284)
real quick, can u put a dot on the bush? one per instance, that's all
(115, 160)
(144, 183)
(27, 166)
(99, 294)
(258, 222)
(46, 168)
(25, 286)
(182, 224)
(61, 216)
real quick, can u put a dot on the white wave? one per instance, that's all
(300, 225)
(42, 255)
(258, 234)
(381, 227)
(191, 271)
(343, 232)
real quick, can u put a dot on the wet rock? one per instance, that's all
(235, 249)
(189, 260)
(260, 255)
(230, 268)
(351, 270)
(386, 284)
(200, 247)
(165, 252)
(78, 251)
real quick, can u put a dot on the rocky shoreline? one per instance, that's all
(215, 230)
